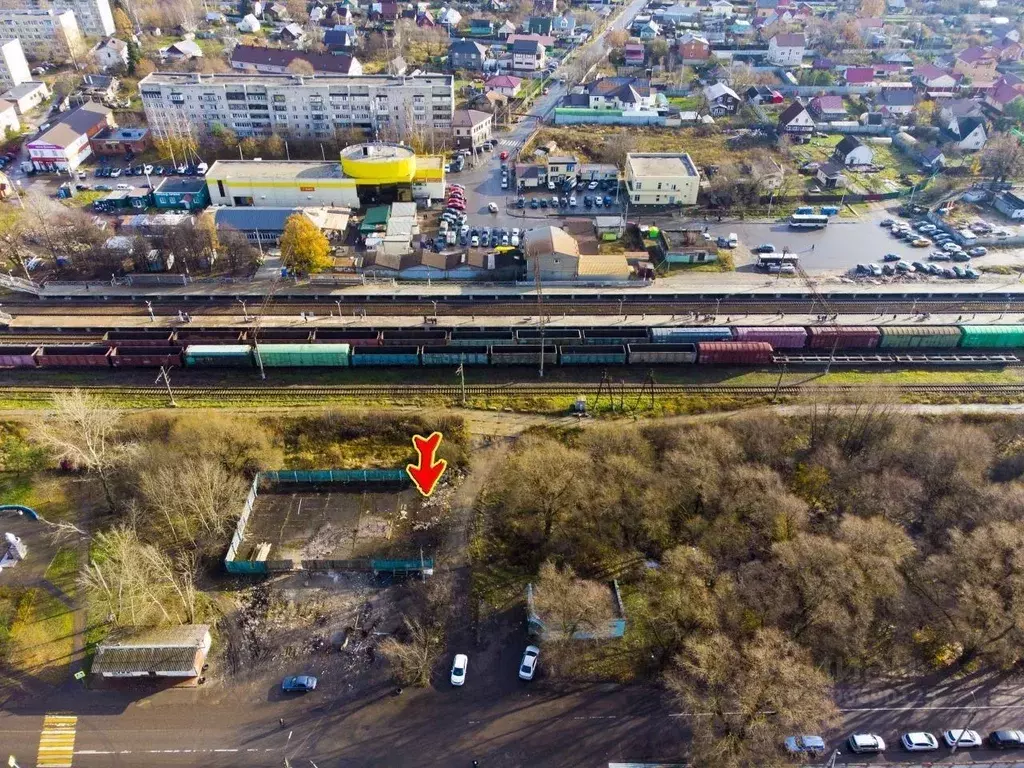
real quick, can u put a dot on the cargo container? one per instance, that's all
(465, 337)
(919, 337)
(523, 354)
(303, 355)
(615, 336)
(385, 356)
(18, 357)
(354, 337)
(459, 355)
(77, 356)
(660, 354)
(283, 334)
(593, 354)
(207, 336)
(781, 337)
(734, 352)
(218, 356)
(154, 338)
(146, 357)
(993, 336)
(412, 337)
(843, 337)
(689, 334)
(556, 336)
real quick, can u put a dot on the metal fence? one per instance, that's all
(315, 476)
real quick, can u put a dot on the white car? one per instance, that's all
(492, 207)
(459, 668)
(147, 169)
(551, 186)
(516, 232)
(475, 241)
(528, 666)
(919, 741)
(515, 241)
(572, 201)
(866, 742)
(464, 229)
(123, 186)
(961, 739)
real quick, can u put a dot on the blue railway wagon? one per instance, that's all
(455, 356)
(593, 354)
(218, 356)
(385, 356)
(523, 354)
(475, 337)
(662, 354)
(556, 336)
(400, 337)
(354, 337)
(690, 334)
(615, 336)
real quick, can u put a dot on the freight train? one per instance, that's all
(707, 345)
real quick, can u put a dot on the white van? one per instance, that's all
(733, 240)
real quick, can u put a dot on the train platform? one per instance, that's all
(27, 322)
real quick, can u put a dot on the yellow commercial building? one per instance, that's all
(368, 174)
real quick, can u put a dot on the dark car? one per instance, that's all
(543, 202)
(588, 201)
(534, 203)
(1006, 739)
(608, 200)
(298, 684)
(521, 202)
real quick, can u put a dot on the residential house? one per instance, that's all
(552, 252)
(634, 54)
(827, 108)
(14, 69)
(721, 99)
(679, 13)
(471, 128)
(872, 32)
(977, 63)
(896, 7)
(64, 146)
(897, 101)
(626, 93)
(649, 31)
(9, 118)
(506, 85)
(505, 30)
(563, 25)
(425, 21)
(101, 88)
(852, 151)
(764, 8)
(292, 33)
(954, 108)
(1010, 203)
(561, 167)
(539, 25)
(931, 158)
(112, 142)
(338, 41)
(722, 9)
(27, 96)
(450, 18)
(277, 12)
(466, 54)
(528, 56)
(968, 133)
(899, 57)
(762, 94)
(110, 53)
(661, 178)
(999, 96)
(249, 24)
(481, 27)
(795, 119)
(935, 79)
(694, 48)
(830, 175)
(787, 49)
(255, 58)
(183, 50)
(859, 75)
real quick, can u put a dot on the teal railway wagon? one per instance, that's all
(218, 356)
(992, 336)
(455, 356)
(593, 354)
(523, 354)
(384, 357)
(919, 337)
(304, 355)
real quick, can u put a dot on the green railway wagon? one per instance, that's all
(304, 355)
(919, 337)
(593, 354)
(455, 357)
(218, 356)
(992, 336)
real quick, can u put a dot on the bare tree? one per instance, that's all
(85, 432)
(1003, 158)
(567, 604)
(412, 660)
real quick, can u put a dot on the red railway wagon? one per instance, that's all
(17, 357)
(78, 356)
(734, 352)
(354, 337)
(146, 357)
(843, 337)
(163, 338)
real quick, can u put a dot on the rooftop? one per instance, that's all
(660, 164)
(239, 78)
(170, 649)
(324, 63)
(245, 170)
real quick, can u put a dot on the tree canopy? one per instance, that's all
(304, 248)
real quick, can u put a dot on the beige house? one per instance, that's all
(661, 178)
(553, 251)
(471, 128)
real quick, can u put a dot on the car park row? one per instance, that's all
(911, 741)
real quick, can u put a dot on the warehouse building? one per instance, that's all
(177, 652)
(367, 174)
(307, 106)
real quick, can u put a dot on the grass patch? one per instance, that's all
(84, 199)
(685, 103)
(42, 636)
(62, 571)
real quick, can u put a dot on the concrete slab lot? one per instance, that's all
(303, 522)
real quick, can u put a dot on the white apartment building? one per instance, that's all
(315, 107)
(661, 178)
(95, 17)
(13, 65)
(43, 33)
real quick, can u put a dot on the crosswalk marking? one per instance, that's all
(57, 741)
(510, 142)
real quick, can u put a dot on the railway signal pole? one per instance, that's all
(167, 380)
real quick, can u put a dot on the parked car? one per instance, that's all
(811, 746)
(765, 248)
(959, 737)
(572, 201)
(876, 271)
(978, 251)
(866, 743)
(592, 186)
(891, 257)
(298, 684)
(492, 207)
(921, 242)
(919, 741)
(971, 274)
(528, 666)
(521, 202)
(459, 665)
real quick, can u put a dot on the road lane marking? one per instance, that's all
(57, 741)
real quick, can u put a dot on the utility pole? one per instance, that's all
(462, 377)
(149, 308)
(960, 736)
(167, 380)
(540, 308)
(778, 384)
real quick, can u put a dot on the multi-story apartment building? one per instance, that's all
(94, 16)
(13, 66)
(315, 107)
(43, 33)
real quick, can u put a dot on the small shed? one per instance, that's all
(613, 627)
(178, 652)
(608, 227)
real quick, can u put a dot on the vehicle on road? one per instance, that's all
(592, 185)
(298, 684)
(959, 737)
(891, 257)
(978, 251)
(572, 201)
(528, 666)
(459, 665)
(1006, 739)
(811, 746)
(921, 242)
(503, 155)
(919, 741)
(765, 248)
(492, 207)
(862, 743)
(886, 223)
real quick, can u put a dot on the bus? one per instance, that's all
(808, 221)
(778, 262)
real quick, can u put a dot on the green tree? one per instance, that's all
(304, 248)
